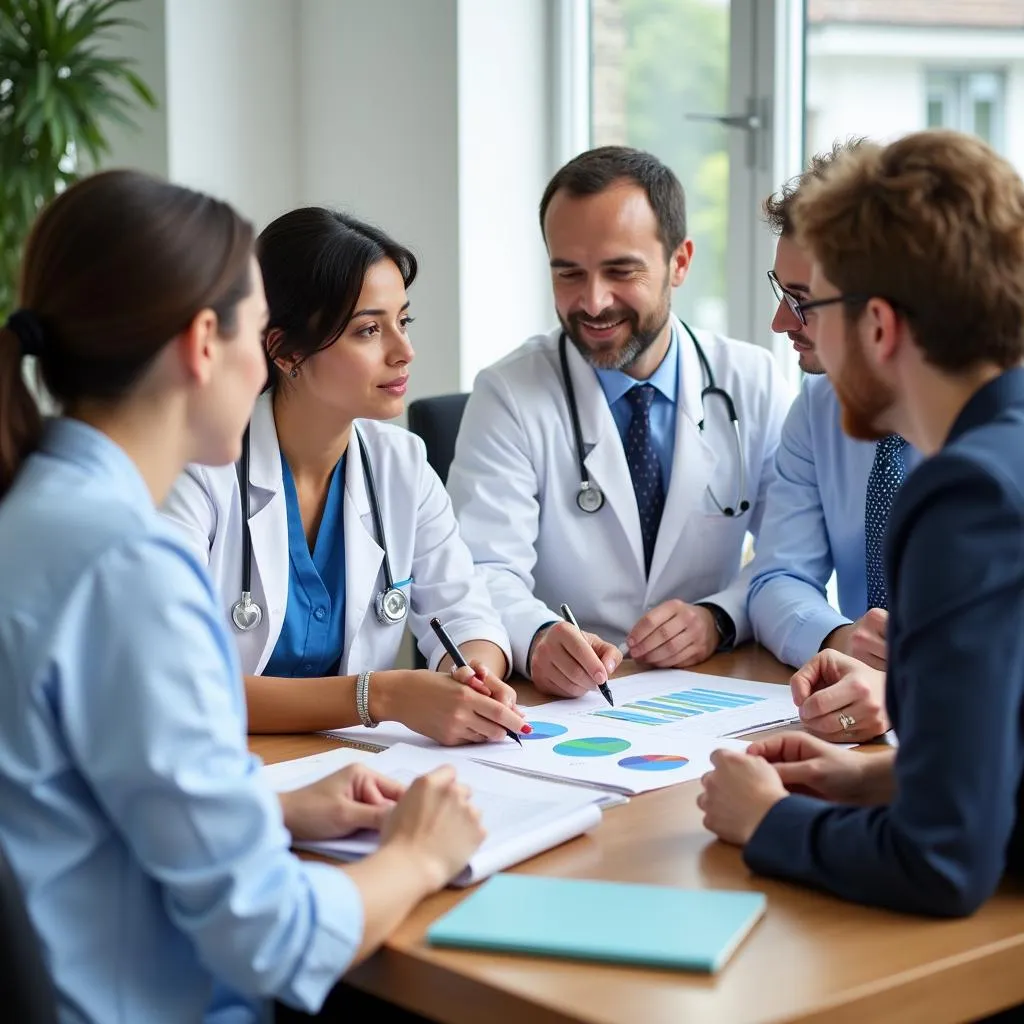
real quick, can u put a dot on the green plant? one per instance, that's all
(59, 89)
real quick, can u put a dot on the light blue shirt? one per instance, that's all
(312, 637)
(155, 863)
(665, 379)
(813, 525)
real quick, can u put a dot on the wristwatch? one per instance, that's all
(723, 623)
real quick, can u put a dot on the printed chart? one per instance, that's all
(591, 746)
(670, 708)
(662, 731)
(654, 762)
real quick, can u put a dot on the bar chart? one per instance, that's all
(672, 708)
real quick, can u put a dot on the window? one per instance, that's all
(882, 68)
(654, 65)
(968, 101)
(715, 89)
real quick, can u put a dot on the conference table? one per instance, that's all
(812, 957)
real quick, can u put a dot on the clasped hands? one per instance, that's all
(566, 662)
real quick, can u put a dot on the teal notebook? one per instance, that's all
(650, 925)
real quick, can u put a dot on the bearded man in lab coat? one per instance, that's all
(636, 520)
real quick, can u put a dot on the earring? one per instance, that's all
(295, 372)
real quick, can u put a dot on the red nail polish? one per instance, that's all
(526, 729)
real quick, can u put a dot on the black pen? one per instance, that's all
(571, 619)
(459, 661)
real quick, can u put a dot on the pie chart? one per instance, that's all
(543, 731)
(592, 746)
(654, 762)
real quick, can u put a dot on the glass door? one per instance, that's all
(694, 81)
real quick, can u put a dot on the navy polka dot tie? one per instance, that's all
(644, 468)
(887, 473)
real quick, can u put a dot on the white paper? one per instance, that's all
(284, 776)
(662, 730)
(522, 817)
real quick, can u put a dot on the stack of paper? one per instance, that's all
(522, 817)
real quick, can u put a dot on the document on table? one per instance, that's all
(522, 817)
(661, 731)
(284, 776)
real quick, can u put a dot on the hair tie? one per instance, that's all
(28, 330)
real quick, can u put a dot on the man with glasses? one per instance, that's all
(826, 512)
(916, 301)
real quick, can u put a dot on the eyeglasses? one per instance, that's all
(784, 296)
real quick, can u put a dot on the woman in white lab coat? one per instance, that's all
(323, 650)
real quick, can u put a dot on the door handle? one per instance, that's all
(748, 122)
(754, 122)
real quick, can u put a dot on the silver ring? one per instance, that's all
(847, 722)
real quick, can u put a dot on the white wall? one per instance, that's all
(434, 119)
(231, 100)
(144, 147)
(505, 158)
(378, 109)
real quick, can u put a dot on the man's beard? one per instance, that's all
(642, 335)
(863, 398)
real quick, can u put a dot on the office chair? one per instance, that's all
(27, 994)
(437, 420)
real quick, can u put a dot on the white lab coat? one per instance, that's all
(515, 478)
(422, 540)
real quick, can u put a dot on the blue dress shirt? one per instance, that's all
(312, 636)
(813, 525)
(154, 861)
(665, 379)
(954, 560)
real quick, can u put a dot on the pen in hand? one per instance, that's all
(459, 661)
(571, 619)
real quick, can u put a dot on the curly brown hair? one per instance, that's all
(778, 207)
(934, 224)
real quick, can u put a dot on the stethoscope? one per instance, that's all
(590, 498)
(390, 604)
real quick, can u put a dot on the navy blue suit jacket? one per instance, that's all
(955, 690)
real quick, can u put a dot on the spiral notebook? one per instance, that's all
(646, 925)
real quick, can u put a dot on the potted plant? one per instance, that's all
(59, 88)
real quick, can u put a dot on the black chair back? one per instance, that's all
(437, 420)
(27, 994)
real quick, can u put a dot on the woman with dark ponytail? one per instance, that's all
(154, 862)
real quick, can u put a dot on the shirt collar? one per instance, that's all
(665, 378)
(78, 443)
(988, 401)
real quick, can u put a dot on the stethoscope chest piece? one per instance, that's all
(392, 606)
(246, 614)
(590, 497)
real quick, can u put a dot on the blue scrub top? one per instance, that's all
(312, 637)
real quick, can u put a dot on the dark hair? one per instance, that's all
(778, 207)
(113, 269)
(314, 261)
(598, 169)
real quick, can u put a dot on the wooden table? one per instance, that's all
(812, 958)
